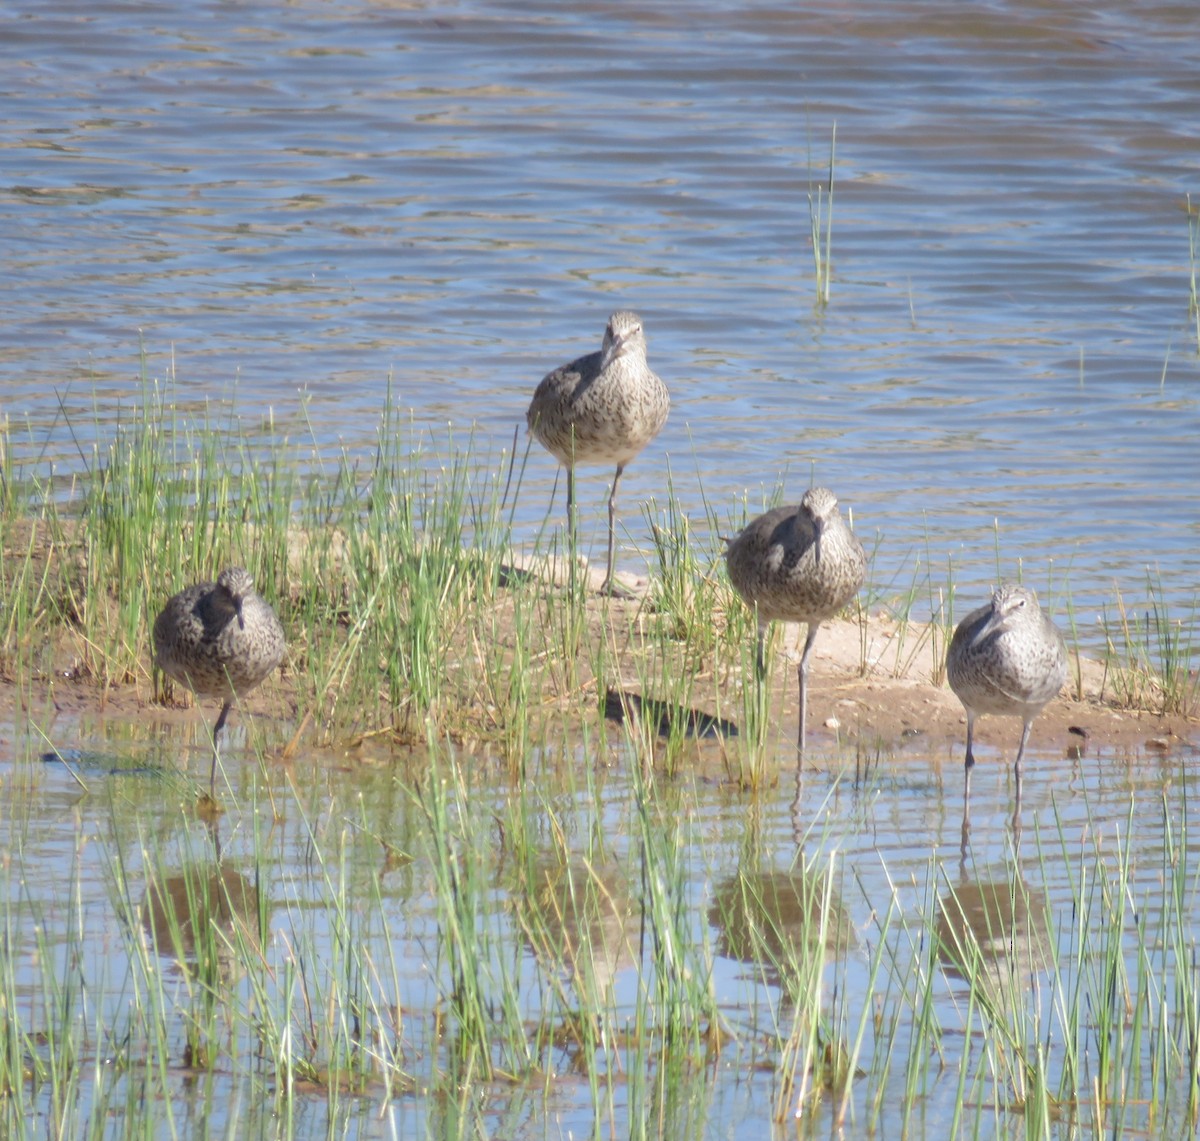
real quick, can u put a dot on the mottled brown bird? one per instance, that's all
(603, 408)
(797, 564)
(220, 639)
(1007, 658)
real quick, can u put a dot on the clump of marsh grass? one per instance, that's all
(7, 482)
(1121, 954)
(423, 561)
(751, 752)
(676, 1005)
(1150, 655)
(1077, 996)
(913, 640)
(216, 981)
(820, 219)
(686, 595)
(993, 934)
(475, 964)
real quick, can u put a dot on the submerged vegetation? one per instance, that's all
(453, 951)
(533, 918)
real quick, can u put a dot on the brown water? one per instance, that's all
(312, 201)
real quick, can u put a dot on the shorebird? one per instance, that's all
(797, 564)
(603, 408)
(1007, 658)
(220, 640)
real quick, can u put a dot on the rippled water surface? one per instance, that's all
(300, 208)
(317, 197)
(332, 895)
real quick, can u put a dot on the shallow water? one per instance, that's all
(329, 856)
(319, 197)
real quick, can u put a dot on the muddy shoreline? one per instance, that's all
(895, 704)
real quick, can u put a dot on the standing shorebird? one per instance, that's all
(797, 564)
(603, 408)
(220, 640)
(1007, 658)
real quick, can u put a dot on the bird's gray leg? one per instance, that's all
(212, 776)
(969, 763)
(802, 673)
(606, 585)
(1020, 753)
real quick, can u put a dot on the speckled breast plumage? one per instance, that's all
(582, 415)
(773, 565)
(1013, 671)
(199, 642)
